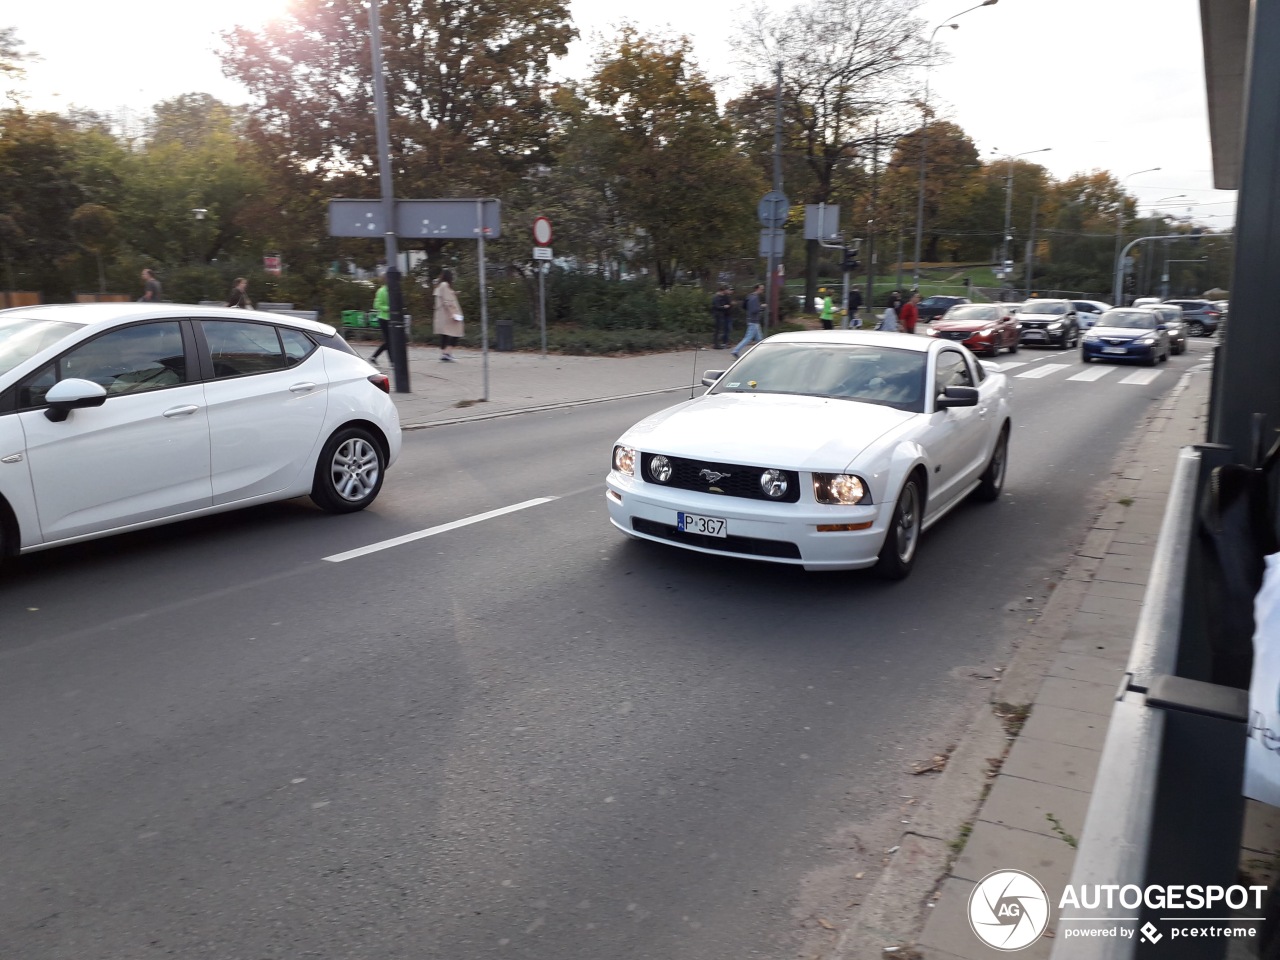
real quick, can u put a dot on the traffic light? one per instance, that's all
(850, 261)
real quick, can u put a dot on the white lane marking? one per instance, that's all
(1044, 371)
(1006, 367)
(1141, 378)
(432, 531)
(1093, 373)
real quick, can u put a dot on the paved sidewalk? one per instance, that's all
(1024, 809)
(451, 392)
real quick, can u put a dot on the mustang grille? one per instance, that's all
(735, 480)
(748, 545)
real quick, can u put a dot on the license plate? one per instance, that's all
(696, 523)
(1114, 350)
(1034, 335)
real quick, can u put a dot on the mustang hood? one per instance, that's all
(799, 433)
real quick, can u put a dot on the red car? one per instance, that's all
(985, 328)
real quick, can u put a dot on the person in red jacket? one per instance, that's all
(909, 314)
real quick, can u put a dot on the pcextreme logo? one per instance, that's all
(1008, 910)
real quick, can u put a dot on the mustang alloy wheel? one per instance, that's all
(349, 472)
(898, 554)
(992, 480)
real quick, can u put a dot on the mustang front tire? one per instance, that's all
(992, 480)
(898, 554)
(349, 472)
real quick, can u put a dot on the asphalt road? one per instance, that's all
(520, 737)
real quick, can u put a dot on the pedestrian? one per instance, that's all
(889, 319)
(754, 305)
(382, 311)
(910, 315)
(239, 295)
(447, 320)
(854, 319)
(721, 312)
(150, 287)
(827, 314)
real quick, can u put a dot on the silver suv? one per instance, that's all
(1200, 316)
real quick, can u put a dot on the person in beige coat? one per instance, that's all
(447, 320)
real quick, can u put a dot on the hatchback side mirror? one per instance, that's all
(957, 397)
(73, 394)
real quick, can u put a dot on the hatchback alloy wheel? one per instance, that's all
(1195, 328)
(349, 471)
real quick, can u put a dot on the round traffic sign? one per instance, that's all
(773, 209)
(541, 231)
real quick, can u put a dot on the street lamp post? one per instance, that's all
(1117, 291)
(1008, 209)
(924, 131)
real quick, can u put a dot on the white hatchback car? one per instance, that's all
(115, 417)
(832, 450)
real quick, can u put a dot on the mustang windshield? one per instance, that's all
(22, 338)
(871, 374)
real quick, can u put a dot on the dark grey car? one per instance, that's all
(1171, 316)
(1200, 316)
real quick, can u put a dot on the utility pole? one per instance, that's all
(395, 299)
(773, 286)
(871, 224)
(1031, 245)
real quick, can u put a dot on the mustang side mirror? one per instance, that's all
(72, 394)
(957, 397)
(709, 377)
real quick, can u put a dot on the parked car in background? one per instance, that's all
(985, 328)
(116, 417)
(830, 450)
(1049, 323)
(931, 308)
(1171, 316)
(1145, 302)
(1201, 316)
(1088, 311)
(1127, 333)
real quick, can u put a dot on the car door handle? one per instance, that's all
(302, 387)
(184, 411)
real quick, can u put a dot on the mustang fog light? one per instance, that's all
(624, 460)
(842, 488)
(660, 468)
(843, 527)
(774, 484)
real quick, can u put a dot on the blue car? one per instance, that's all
(1125, 333)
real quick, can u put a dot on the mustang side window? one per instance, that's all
(951, 372)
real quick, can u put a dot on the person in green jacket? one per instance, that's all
(828, 309)
(381, 310)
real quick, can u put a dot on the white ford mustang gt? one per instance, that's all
(120, 416)
(832, 450)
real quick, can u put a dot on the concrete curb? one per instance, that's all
(894, 911)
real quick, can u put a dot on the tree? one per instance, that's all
(954, 189)
(11, 57)
(845, 64)
(94, 228)
(669, 158)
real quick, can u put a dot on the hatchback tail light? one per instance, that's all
(381, 381)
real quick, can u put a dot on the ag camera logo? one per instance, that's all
(1008, 910)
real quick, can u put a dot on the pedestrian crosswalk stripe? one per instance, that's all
(1044, 371)
(1093, 373)
(1141, 377)
(1012, 365)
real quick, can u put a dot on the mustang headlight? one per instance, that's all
(842, 488)
(933, 332)
(624, 460)
(774, 484)
(660, 468)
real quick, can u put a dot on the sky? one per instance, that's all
(1114, 85)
